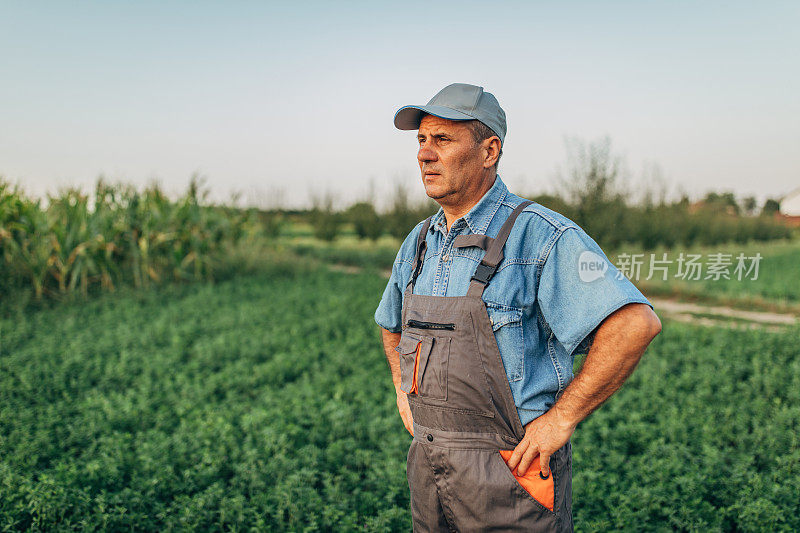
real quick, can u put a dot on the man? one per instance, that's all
(488, 301)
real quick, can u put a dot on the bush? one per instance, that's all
(366, 221)
(324, 219)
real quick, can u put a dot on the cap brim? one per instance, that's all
(409, 117)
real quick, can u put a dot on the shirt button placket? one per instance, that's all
(446, 251)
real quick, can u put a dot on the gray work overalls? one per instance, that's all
(465, 421)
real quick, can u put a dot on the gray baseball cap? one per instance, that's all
(457, 101)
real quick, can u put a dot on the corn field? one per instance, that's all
(81, 242)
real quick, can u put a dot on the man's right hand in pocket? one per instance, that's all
(405, 410)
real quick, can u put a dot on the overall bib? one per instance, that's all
(466, 424)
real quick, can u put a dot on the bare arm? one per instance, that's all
(619, 343)
(390, 341)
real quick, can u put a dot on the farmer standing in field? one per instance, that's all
(487, 303)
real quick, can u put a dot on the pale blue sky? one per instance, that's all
(261, 97)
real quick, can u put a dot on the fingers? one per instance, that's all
(527, 459)
(405, 413)
(523, 456)
(544, 464)
(516, 456)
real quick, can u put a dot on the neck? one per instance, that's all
(453, 212)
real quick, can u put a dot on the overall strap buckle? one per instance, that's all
(483, 273)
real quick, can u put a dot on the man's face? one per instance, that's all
(449, 158)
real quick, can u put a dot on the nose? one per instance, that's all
(426, 154)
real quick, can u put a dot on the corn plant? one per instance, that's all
(117, 235)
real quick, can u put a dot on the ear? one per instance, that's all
(491, 147)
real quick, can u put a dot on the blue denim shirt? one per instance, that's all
(552, 289)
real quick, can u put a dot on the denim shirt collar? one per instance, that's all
(479, 217)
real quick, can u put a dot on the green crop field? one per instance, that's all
(264, 403)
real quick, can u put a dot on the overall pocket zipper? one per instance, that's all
(429, 325)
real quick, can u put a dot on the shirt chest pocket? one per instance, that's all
(507, 327)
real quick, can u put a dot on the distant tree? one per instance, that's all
(324, 219)
(591, 185)
(749, 204)
(771, 207)
(592, 171)
(366, 221)
(654, 186)
(400, 218)
(722, 202)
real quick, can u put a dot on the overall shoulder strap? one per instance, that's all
(491, 259)
(419, 256)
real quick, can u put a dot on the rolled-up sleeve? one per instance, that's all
(579, 287)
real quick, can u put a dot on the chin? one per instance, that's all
(431, 190)
(436, 193)
(437, 189)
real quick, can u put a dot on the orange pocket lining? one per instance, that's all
(416, 364)
(542, 490)
(413, 388)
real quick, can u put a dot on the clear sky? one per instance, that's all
(282, 100)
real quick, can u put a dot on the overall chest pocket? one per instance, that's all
(423, 364)
(507, 327)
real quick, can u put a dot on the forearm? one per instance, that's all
(618, 345)
(390, 341)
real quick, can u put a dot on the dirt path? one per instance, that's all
(678, 307)
(722, 316)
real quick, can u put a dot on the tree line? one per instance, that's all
(77, 242)
(591, 191)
